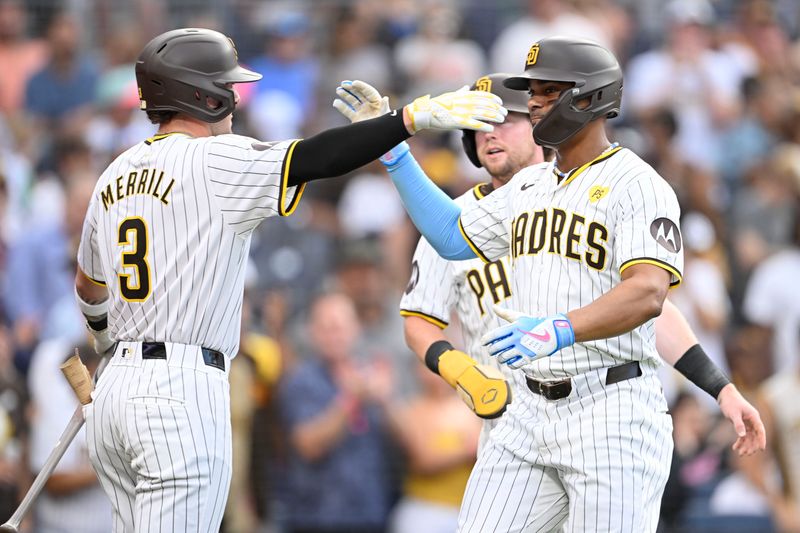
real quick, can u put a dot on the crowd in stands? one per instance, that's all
(368, 440)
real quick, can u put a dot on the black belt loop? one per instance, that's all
(157, 350)
(556, 390)
(618, 373)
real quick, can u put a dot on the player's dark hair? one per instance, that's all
(160, 117)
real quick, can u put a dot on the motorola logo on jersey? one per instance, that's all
(412, 282)
(667, 234)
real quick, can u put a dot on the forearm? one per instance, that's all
(65, 483)
(678, 345)
(433, 212)
(341, 150)
(420, 334)
(625, 307)
(674, 336)
(315, 438)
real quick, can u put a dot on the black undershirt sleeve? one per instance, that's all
(341, 150)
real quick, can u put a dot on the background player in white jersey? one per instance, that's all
(162, 263)
(471, 287)
(589, 448)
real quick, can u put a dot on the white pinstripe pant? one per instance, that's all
(597, 460)
(159, 438)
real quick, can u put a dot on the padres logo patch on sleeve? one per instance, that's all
(666, 234)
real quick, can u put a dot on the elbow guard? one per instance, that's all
(483, 388)
(97, 323)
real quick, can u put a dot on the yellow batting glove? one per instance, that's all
(481, 387)
(459, 110)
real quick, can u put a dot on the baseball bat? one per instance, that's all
(78, 377)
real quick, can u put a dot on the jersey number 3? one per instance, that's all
(134, 231)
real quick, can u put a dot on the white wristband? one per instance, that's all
(93, 311)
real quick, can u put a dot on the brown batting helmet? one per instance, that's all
(181, 69)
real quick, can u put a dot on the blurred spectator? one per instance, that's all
(435, 60)
(689, 423)
(337, 476)
(119, 124)
(772, 302)
(370, 208)
(20, 55)
(285, 96)
(361, 274)
(353, 53)
(272, 357)
(754, 133)
(760, 43)
(544, 18)
(296, 251)
(439, 435)
(253, 370)
(617, 26)
(14, 428)
(39, 292)
(775, 474)
(66, 85)
(764, 210)
(687, 76)
(73, 499)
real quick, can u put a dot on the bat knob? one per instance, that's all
(8, 527)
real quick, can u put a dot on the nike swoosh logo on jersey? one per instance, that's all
(526, 186)
(544, 338)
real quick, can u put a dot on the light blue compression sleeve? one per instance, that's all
(434, 213)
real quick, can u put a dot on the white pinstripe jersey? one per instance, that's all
(570, 242)
(168, 232)
(438, 286)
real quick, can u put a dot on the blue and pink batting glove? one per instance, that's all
(527, 337)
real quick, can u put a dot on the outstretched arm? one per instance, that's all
(340, 150)
(677, 344)
(434, 213)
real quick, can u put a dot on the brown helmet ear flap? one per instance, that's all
(470, 148)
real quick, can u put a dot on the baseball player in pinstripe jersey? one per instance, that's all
(593, 252)
(472, 287)
(162, 262)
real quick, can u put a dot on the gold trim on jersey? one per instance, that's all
(159, 136)
(285, 212)
(471, 244)
(427, 318)
(478, 192)
(655, 262)
(574, 174)
(95, 281)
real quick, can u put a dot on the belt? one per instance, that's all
(157, 350)
(555, 390)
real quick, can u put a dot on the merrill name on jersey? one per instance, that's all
(145, 181)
